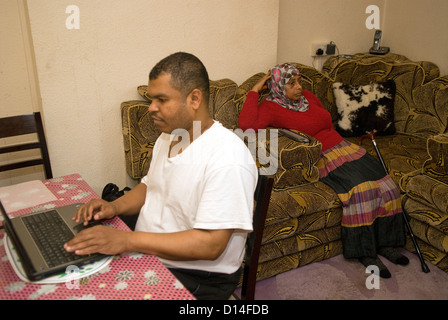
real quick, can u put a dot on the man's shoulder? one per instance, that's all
(227, 144)
(224, 135)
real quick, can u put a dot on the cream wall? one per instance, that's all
(414, 28)
(19, 92)
(304, 22)
(84, 74)
(418, 29)
(17, 67)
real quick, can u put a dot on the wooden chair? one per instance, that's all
(262, 197)
(21, 125)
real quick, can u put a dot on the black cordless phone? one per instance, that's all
(377, 49)
(377, 40)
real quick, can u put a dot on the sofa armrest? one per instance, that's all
(290, 156)
(298, 155)
(437, 165)
(428, 186)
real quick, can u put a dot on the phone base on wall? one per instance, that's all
(380, 50)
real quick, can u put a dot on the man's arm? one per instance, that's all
(192, 244)
(132, 201)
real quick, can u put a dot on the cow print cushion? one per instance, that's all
(362, 109)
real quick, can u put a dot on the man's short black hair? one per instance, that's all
(187, 73)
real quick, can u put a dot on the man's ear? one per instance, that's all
(195, 98)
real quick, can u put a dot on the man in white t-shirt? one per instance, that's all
(195, 204)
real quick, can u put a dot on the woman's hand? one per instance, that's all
(261, 84)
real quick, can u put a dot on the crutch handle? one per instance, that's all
(370, 136)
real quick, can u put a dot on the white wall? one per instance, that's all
(84, 74)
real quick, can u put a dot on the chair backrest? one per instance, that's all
(262, 197)
(21, 125)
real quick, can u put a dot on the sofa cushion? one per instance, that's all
(435, 236)
(297, 259)
(430, 193)
(364, 108)
(402, 153)
(299, 242)
(301, 201)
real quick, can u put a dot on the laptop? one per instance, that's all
(39, 239)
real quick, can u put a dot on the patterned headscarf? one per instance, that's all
(281, 74)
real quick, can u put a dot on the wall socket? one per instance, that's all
(322, 49)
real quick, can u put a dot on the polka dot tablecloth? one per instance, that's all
(132, 276)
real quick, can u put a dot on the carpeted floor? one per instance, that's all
(341, 279)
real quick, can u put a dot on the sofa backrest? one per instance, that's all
(222, 104)
(421, 100)
(417, 108)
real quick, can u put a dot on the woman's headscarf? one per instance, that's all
(281, 74)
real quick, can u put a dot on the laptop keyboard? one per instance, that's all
(50, 233)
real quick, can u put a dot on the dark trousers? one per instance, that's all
(208, 285)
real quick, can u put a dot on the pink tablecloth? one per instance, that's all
(128, 276)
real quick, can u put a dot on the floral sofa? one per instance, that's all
(304, 217)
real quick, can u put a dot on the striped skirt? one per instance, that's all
(370, 200)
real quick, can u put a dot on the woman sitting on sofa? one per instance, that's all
(372, 222)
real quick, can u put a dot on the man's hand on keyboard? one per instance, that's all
(100, 239)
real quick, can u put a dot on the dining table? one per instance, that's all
(127, 276)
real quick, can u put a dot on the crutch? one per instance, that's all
(371, 136)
